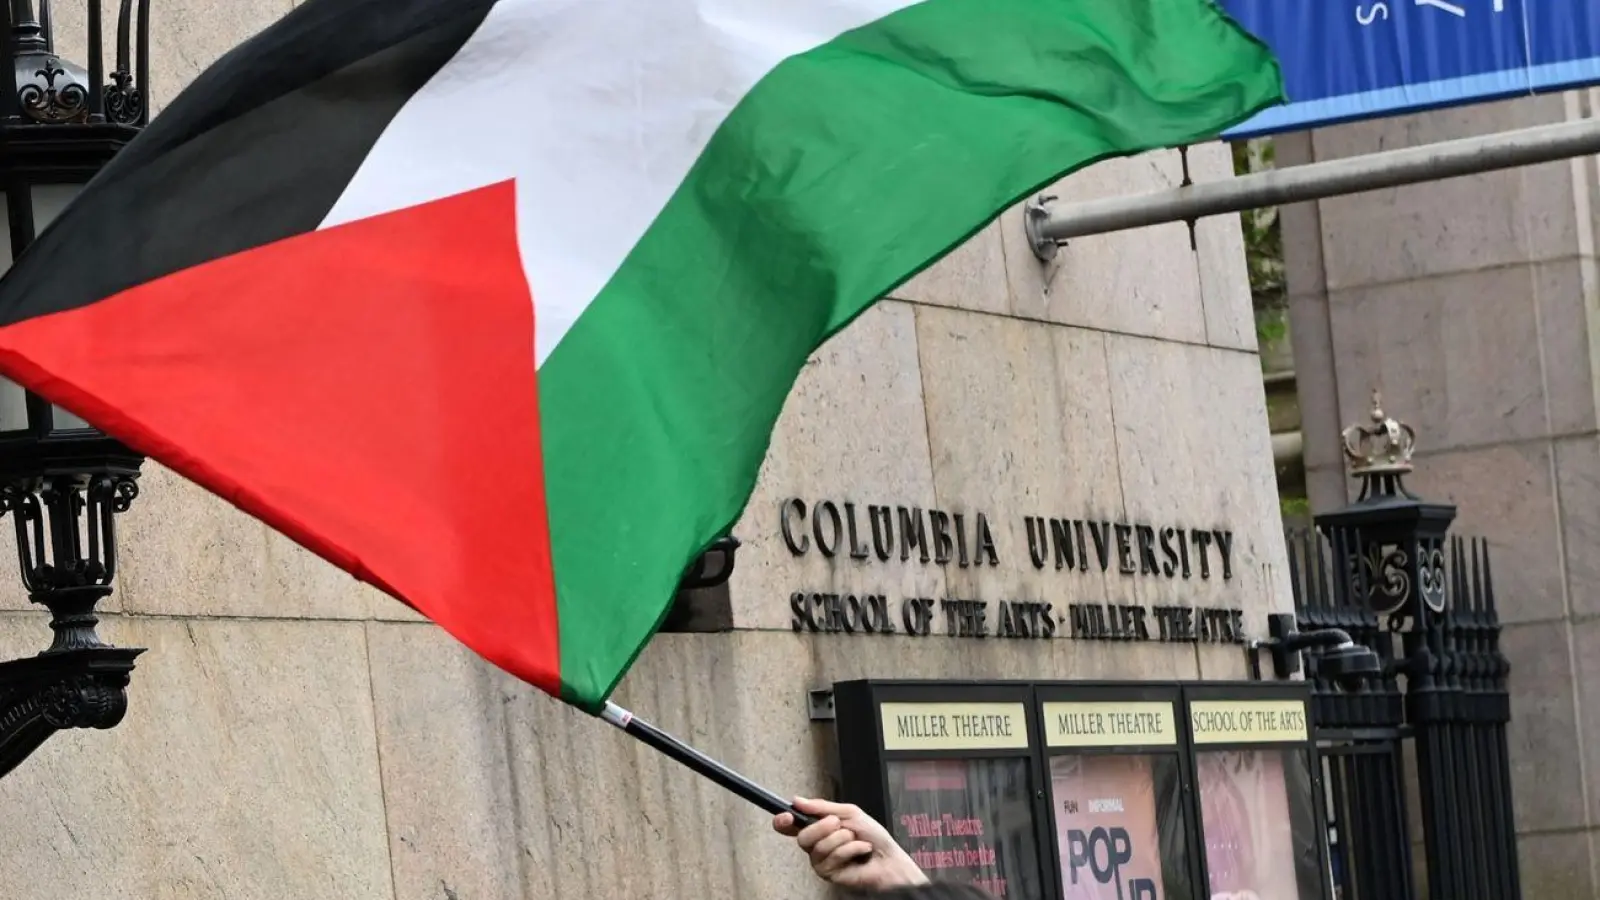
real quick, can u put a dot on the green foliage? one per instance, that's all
(1263, 233)
(1294, 507)
(1272, 325)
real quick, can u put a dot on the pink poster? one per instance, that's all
(1244, 813)
(1106, 831)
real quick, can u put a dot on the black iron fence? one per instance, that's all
(1360, 731)
(1386, 571)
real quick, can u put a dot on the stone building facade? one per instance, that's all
(294, 734)
(1474, 304)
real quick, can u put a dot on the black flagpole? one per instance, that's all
(701, 763)
(711, 569)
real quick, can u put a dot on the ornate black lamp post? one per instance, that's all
(61, 481)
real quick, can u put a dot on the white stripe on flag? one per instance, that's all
(598, 108)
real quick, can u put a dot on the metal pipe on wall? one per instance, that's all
(1433, 162)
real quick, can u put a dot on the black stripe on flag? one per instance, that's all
(257, 149)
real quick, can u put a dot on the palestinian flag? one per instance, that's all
(495, 304)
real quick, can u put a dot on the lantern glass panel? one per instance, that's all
(47, 201)
(62, 420)
(13, 407)
(13, 401)
(5, 228)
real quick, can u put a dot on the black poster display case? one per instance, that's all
(1117, 783)
(950, 770)
(1258, 789)
(1092, 791)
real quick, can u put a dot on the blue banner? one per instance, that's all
(1360, 59)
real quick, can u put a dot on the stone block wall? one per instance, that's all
(1474, 304)
(294, 734)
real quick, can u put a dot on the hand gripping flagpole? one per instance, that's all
(700, 763)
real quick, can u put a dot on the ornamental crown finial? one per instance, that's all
(1382, 448)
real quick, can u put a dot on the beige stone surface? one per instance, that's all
(182, 550)
(1594, 857)
(853, 430)
(1414, 828)
(972, 276)
(1556, 865)
(1458, 357)
(12, 595)
(1303, 235)
(1437, 125)
(448, 788)
(185, 551)
(1465, 224)
(644, 826)
(1310, 329)
(1329, 489)
(1019, 424)
(1586, 671)
(1021, 419)
(1316, 381)
(1225, 284)
(1215, 662)
(1473, 304)
(383, 607)
(24, 633)
(1149, 281)
(186, 36)
(1577, 462)
(1451, 226)
(1219, 249)
(249, 752)
(1546, 760)
(1568, 294)
(1193, 452)
(246, 768)
(595, 814)
(1505, 494)
(1145, 281)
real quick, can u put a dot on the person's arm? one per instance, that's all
(850, 848)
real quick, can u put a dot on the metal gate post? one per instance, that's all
(1433, 592)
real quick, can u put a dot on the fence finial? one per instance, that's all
(1382, 448)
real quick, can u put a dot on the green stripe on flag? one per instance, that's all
(844, 172)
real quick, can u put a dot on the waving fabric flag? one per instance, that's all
(495, 304)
